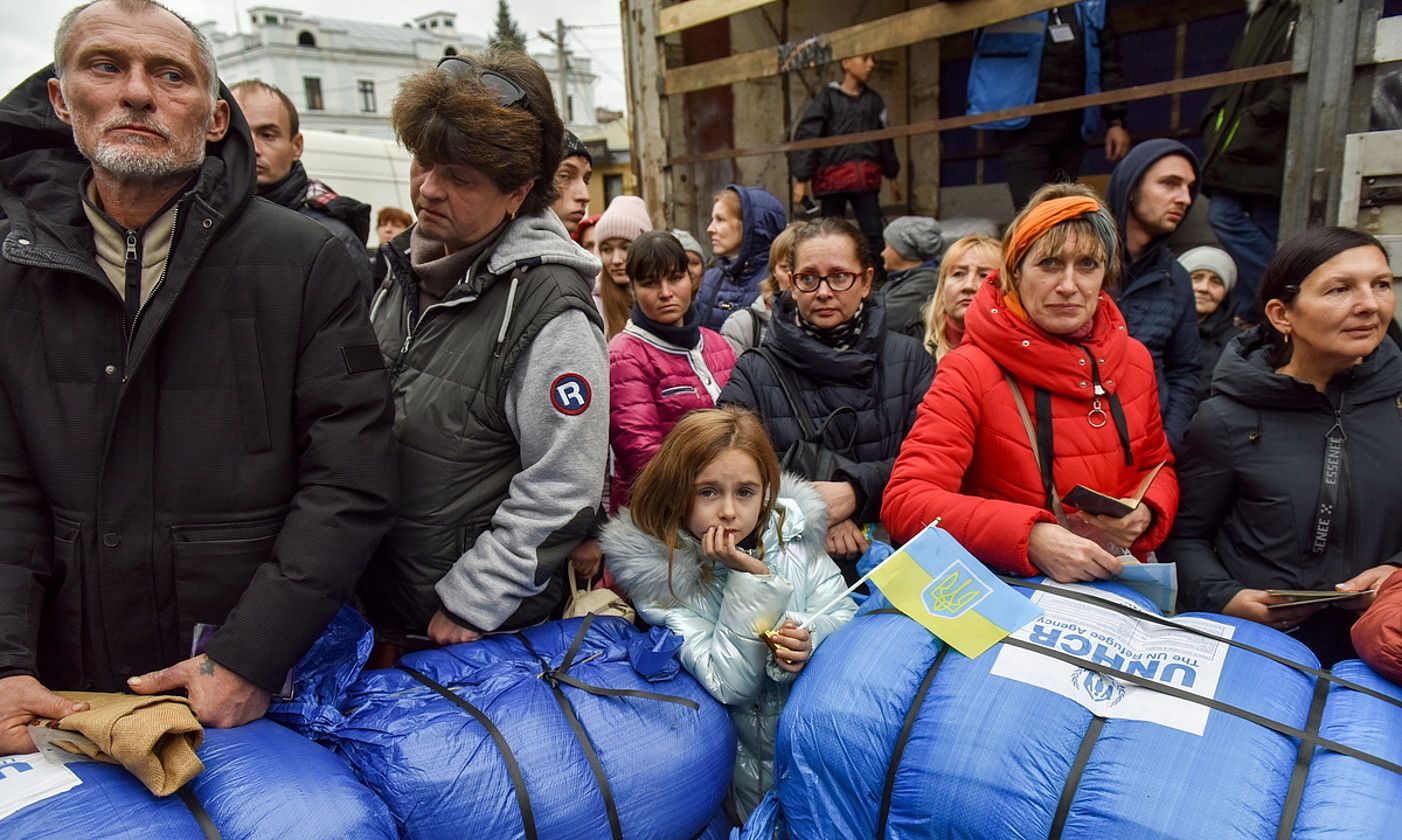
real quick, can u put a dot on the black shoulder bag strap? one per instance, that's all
(1040, 438)
(789, 387)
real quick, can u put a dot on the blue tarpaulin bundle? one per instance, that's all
(1080, 725)
(325, 673)
(1345, 797)
(572, 729)
(260, 782)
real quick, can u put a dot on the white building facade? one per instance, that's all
(343, 75)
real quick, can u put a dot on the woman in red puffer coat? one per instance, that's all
(662, 364)
(1054, 330)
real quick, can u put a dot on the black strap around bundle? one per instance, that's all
(898, 751)
(518, 781)
(1087, 598)
(555, 677)
(1296, 793)
(207, 827)
(1073, 777)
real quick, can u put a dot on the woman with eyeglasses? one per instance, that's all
(1290, 470)
(1045, 391)
(496, 362)
(834, 388)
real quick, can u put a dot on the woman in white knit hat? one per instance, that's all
(625, 220)
(1214, 274)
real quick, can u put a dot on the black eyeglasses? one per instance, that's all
(838, 281)
(508, 93)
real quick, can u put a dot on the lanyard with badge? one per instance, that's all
(1060, 32)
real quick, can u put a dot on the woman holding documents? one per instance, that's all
(1290, 471)
(1046, 392)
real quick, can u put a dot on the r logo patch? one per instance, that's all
(570, 394)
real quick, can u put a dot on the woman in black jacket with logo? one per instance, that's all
(1289, 474)
(856, 383)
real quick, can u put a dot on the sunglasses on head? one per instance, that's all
(507, 92)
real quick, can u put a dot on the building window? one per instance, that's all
(569, 109)
(449, 51)
(312, 88)
(613, 187)
(306, 39)
(367, 96)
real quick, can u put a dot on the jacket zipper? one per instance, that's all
(409, 326)
(141, 304)
(131, 295)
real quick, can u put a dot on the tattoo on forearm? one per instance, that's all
(207, 667)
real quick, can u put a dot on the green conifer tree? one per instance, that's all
(508, 35)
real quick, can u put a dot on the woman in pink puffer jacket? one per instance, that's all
(663, 364)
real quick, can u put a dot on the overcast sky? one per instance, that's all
(26, 36)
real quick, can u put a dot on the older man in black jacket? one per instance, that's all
(194, 417)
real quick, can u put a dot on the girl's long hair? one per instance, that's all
(664, 490)
(618, 303)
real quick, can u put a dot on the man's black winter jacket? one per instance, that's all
(228, 463)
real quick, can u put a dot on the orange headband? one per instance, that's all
(1041, 219)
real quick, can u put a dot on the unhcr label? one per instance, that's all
(1102, 636)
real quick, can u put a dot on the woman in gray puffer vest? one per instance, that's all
(497, 363)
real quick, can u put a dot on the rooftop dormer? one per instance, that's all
(272, 16)
(444, 23)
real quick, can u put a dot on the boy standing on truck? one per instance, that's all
(851, 173)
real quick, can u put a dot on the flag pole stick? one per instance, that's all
(853, 588)
(835, 601)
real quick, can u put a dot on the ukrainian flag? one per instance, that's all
(936, 581)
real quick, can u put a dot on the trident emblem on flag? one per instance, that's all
(953, 592)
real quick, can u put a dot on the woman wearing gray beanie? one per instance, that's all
(912, 259)
(1214, 275)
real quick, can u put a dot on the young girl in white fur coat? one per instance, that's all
(721, 550)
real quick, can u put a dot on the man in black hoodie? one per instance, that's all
(277, 139)
(194, 416)
(1150, 193)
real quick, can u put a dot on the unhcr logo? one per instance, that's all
(1098, 687)
(953, 592)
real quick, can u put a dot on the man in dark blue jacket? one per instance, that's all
(277, 139)
(1150, 193)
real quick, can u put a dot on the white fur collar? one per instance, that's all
(639, 561)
